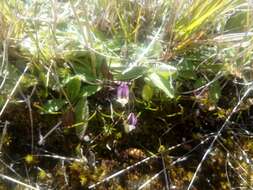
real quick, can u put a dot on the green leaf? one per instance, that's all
(53, 106)
(73, 88)
(81, 116)
(134, 73)
(165, 70)
(188, 75)
(214, 92)
(147, 92)
(187, 70)
(89, 65)
(199, 82)
(162, 84)
(237, 22)
(81, 63)
(89, 90)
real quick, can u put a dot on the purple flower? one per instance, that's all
(132, 119)
(123, 94)
(130, 123)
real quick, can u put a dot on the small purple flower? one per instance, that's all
(132, 119)
(130, 123)
(123, 94)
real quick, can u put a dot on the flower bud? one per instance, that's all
(130, 123)
(123, 94)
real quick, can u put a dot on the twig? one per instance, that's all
(3, 134)
(27, 100)
(83, 160)
(165, 172)
(4, 79)
(240, 176)
(10, 168)
(13, 90)
(121, 172)
(216, 137)
(5, 48)
(145, 160)
(151, 179)
(217, 77)
(18, 182)
(42, 138)
(31, 120)
(226, 169)
(181, 159)
(64, 173)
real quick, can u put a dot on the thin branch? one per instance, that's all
(216, 137)
(165, 172)
(14, 90)
(121, 172)
(83, 160)
(43, 138)
(151, 179)
(18, 182)
(3, 135)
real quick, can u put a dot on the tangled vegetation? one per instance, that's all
(126, 94)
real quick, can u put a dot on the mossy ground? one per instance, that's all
(168, 135)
